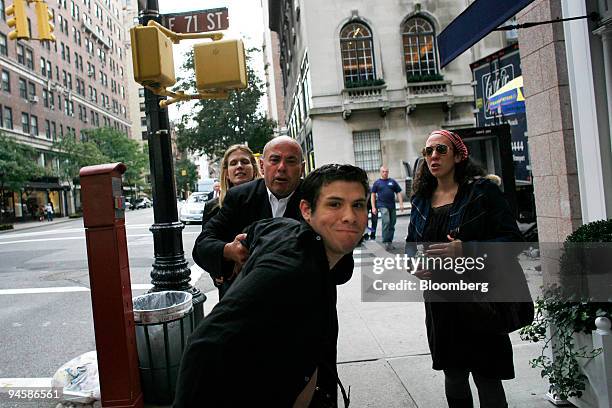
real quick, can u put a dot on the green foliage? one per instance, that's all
(216, 124)
(101, 145)
(425, 78)
(366, 83)
(186, 174)
(596, 231)
(558, 315)
(18, 164)
(4, 227)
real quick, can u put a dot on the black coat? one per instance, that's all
(274, 326)
(242, 206)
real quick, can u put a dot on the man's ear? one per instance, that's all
(306, 210)
(261, 165)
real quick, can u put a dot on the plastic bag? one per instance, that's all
(79, 379)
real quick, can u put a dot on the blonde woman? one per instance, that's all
(238, 166)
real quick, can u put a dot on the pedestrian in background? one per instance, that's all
(238, 166)
(449, 188)
(384, 191)
(216, 189)
(272, 340)
(49, 211)
(373, 221)
(219, 249)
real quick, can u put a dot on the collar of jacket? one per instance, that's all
(422, 205)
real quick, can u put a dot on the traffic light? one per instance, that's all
(19, 20)
(220, 65)
(152, 57)
(43, 20)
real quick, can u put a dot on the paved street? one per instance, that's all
(43, 330)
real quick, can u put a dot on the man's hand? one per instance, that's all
(374, 211)
(235, 251)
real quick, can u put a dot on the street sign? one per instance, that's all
(199, 21)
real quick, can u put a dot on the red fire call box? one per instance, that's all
(109, 277)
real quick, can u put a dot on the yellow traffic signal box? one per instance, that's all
(220, 65)
(19, 20)
(152, 57)
(43, 20)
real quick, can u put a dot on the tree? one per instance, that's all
(101, 145)
(17, 166)
(220, 123)
(186, 173)
(117, 147)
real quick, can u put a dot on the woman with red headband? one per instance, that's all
(450, 189)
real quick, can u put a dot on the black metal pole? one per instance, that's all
(170, 269)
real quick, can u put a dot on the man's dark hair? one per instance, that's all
(328, 173)
(425, 183)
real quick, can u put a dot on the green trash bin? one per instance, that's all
(164, 321)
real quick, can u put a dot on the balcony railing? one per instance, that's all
(368, 97)
(418, 93)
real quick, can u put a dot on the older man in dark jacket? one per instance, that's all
(272, 338)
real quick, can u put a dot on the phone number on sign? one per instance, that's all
(30, 394)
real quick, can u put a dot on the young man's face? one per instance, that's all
(340, 217)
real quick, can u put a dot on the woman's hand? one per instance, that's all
(423, 274)
(452, 249)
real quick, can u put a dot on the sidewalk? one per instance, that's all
(384, 356)
(27, 225)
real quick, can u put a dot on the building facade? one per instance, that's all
(50, 90)
(362, 83)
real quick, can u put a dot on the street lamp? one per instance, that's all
(170, 269)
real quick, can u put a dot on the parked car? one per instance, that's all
(142, 202)
(193, 208)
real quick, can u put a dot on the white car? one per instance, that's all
(193, 208)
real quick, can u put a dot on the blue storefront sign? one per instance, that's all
(490, 74)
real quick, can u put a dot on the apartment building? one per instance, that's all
(49, 90)
(362, 82)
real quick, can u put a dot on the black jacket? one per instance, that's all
(274, 326)
(242, 206)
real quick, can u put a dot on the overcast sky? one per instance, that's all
(245, 21)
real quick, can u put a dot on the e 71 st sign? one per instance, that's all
(199, 21)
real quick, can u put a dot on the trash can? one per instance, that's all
(164, 321)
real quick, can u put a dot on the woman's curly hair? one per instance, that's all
(425, 183)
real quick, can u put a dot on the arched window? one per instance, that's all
(357, 53)
(418, 36)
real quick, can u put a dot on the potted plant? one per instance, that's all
(365, 83)
(564, 320)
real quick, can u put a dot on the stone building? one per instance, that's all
(49, 90)
(362, 83)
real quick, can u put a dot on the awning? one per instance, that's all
(476, 21)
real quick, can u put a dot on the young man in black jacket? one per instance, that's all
(272, 338)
